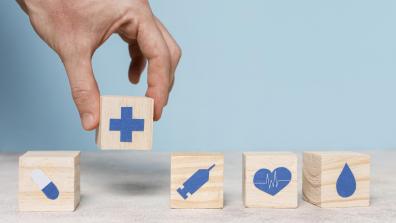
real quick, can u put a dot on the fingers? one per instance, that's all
(174, 50)
(84, 90)
(149, 41)
(138, 63)
(154, 48)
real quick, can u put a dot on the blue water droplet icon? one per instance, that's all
(346, 183)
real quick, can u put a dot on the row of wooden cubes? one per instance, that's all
(269, 180)
(330, 179)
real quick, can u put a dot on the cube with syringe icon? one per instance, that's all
(197, 180)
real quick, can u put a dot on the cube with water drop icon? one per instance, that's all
(49, 181)
(336, 179)
(270, 180)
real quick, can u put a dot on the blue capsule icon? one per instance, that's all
(45, 184)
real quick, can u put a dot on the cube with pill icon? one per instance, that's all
(197, 180)
(49, 181)
(126, 123)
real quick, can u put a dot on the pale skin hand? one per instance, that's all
(76, 28)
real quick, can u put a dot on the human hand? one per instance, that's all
(76, 28)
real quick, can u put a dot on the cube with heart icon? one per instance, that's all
(336, 178)
(270, 180)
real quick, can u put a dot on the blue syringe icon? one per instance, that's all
(196, 181)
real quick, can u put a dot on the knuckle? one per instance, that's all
(81, 96)
(177, 52)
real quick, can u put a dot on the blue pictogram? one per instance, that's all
(196, 181)
(272, 182)
(45, 184)
(126, 125)
(346, 183)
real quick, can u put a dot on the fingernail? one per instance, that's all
(87, 120)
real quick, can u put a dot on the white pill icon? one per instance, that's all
(45, 184)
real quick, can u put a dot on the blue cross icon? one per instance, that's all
(126, 125)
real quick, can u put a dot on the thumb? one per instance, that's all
(84, 90)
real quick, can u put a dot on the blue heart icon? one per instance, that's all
(272, 182)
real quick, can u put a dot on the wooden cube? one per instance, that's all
(336, 179)
(125, 123)
(270, 180)
(197, 180)
(49, 181)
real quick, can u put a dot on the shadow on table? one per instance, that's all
(129, 174)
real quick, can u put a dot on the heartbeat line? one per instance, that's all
(271, 182)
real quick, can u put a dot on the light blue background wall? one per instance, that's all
(254, 75)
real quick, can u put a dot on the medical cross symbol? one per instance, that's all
(126, 125)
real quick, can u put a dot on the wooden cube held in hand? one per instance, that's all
(270, 180)
(197, 180)
(336, 179)
(125, 123)
(49, 181)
